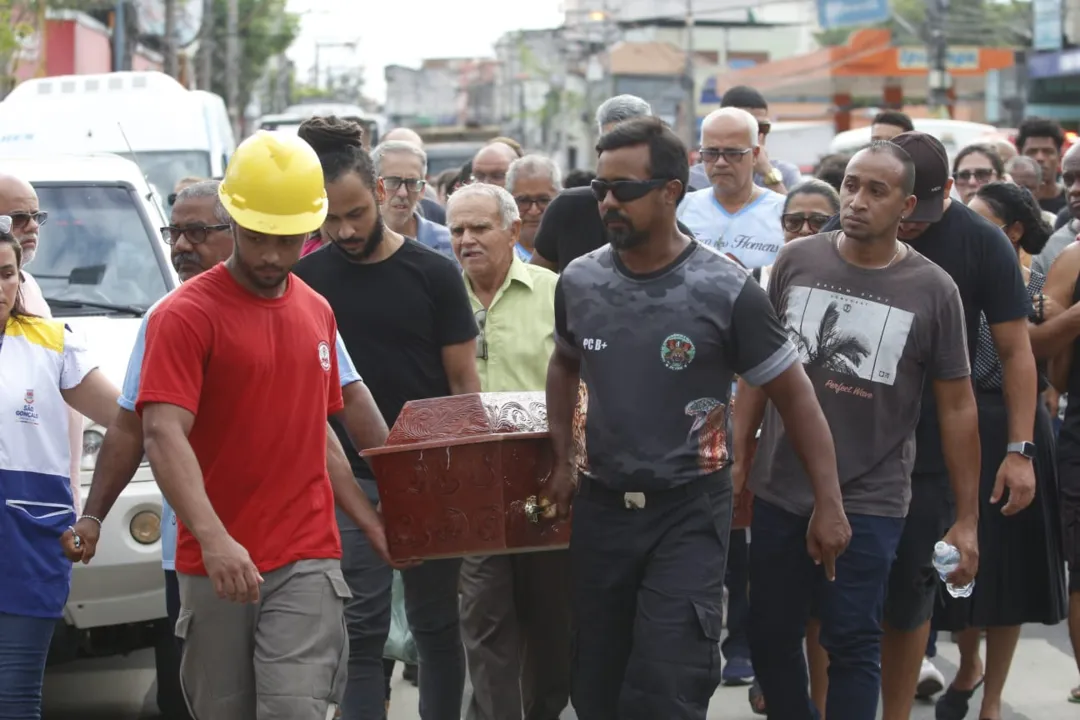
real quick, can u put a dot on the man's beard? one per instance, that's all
(623, 239)
(371, 243)
(29, 255)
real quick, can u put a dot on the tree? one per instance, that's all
(16, 25)
(266, 29)
(968, 22)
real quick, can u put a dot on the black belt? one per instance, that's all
(590, 489)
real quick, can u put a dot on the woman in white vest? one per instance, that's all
(43, 368)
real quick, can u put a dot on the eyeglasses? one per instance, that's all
(195, 234)
(731, 155)
(5, 224)
(982, 175)
(525, 203)
(19, 220)
(481, 338)
(412, 185)
(625, 190)
(793, 222)
(496, 178)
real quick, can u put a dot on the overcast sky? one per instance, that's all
(392, 32)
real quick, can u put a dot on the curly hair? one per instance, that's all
(1014, 204)
(339, 144)
(1037, 127)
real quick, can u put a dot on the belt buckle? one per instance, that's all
(634, 500)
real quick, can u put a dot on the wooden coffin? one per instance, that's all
(461, 476)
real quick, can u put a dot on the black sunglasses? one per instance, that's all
(626, 190)
(195, 234)
(981, 175)
(793, 222)
(731, 155)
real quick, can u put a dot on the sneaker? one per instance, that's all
(737, 671)
(931, 681)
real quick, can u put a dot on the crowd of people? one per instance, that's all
(877, 356)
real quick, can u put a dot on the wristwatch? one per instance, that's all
(774, 177)
(1025, 448)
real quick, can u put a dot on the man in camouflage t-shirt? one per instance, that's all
(656, 326)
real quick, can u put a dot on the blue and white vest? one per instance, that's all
(37, 358)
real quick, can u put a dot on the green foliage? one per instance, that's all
(15, 27)
(968, 22)
(265, 29)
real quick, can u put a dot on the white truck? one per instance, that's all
(101, 263)
(172, 132)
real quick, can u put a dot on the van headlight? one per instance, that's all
(145, 527)
(91, 446)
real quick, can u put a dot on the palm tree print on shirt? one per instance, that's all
(830, 348)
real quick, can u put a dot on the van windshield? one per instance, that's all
(164, 168)
(96, 251)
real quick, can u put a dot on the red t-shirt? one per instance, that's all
(261, 377)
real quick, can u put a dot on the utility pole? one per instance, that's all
(937, 53)
(172, 61)
(232, 65)
(690, 103)
(119, 36)
(206, 46)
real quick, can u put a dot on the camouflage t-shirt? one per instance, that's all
(869, 340)
(658, 353)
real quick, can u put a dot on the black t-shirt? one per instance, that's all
(1055, 204)
(984, 266)
(571, 227)
(395, 317)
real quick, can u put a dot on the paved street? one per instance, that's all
(1042, 674)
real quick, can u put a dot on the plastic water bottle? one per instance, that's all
(947, 559)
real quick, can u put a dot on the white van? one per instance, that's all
(955, 135)
(100, 264)
(171, 132)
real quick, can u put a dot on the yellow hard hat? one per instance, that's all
(274, 185)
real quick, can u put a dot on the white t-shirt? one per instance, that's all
(753, 235)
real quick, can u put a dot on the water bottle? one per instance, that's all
(947, 559)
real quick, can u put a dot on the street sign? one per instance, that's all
(956, 58)
(1047, 24)
(851, 13)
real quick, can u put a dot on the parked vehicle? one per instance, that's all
(170, 131)
(101, 263)
(953, 134)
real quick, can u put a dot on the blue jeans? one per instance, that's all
(24, 646)
(784, 582)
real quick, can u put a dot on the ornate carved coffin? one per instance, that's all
(461, 475)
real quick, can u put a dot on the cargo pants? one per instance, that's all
(647, 593)
(282, 658)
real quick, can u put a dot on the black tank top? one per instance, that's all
(1069, 437)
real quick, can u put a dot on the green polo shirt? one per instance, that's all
(517, 331)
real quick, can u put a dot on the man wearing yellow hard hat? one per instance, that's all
(243, 464)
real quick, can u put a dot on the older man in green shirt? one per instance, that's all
(515, 612)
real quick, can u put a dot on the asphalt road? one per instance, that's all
(123, 688)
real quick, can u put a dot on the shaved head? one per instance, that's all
(492, 163)
(725, 120)
(19, 200)
(404, 134)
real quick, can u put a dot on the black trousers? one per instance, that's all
(647, 590)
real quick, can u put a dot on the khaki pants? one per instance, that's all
(515, 623)
(283, 658)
